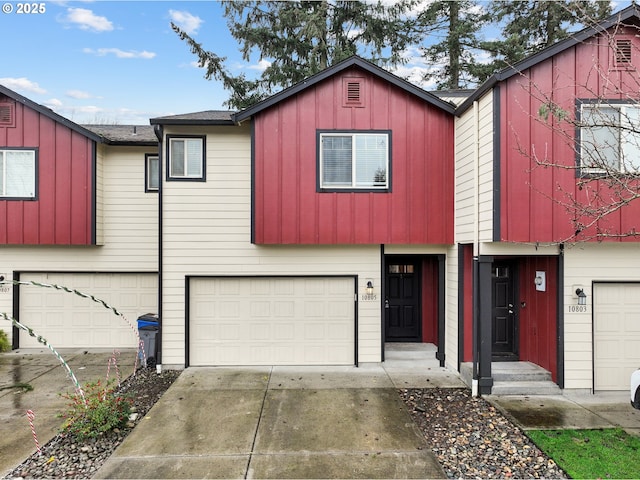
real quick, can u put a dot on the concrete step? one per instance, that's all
(525, 388)
(515, 378)
(519, 372)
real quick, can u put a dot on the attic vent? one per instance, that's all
(353, 92)
(6, 115)
(623, 52)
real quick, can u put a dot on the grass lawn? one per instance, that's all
(606, 453)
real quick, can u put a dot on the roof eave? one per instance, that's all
(331, 71)
(166, 121)
(547, 53)
(50, 114)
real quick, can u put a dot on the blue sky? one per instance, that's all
(119, 62)
(114, 61)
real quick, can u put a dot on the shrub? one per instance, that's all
(103, 412)
(5, 346)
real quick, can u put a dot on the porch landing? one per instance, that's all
(515, 378)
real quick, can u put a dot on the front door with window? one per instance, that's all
(402, 301)
(504, 327)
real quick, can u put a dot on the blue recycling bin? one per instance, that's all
(148, 327)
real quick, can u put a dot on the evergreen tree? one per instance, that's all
(302, 38)
(459, 24)
(531, 25)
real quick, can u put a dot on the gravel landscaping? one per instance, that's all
(472, 439)
(469, 437)
(63, 458)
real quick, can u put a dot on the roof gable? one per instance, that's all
(628, 13)
(335, 69)
(47, 112)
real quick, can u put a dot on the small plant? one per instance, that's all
(103, 411)
(5, 346)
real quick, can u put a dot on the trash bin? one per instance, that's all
(148, 327)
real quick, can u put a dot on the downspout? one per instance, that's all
(476, 246)
(158, 130)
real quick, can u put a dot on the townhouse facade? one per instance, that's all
(342, 214)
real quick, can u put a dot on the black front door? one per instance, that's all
(504, 327)
(402, 301)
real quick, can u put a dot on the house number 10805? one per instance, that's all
(578, 309)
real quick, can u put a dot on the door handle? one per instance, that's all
(386, 303)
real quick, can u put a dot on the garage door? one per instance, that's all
(616, 334)
(67, 320)
(272, 321)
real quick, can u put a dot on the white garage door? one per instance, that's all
(616, 334)
(67, 320)
(272, 321)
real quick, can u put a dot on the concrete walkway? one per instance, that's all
(277, 422)
(570, 410)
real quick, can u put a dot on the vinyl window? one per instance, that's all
(186, 158)
(152, 172)
(18, 174)
(610, 138)
(354, 160)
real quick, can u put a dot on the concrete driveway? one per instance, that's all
(45, 374)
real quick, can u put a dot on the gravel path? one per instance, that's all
(472, 439)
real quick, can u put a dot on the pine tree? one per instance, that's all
(458, 23)
(301, 38)
(530, 26)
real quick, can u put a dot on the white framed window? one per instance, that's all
(186, 158)
(609, 137)
(354, 160)
(18, 173)
(152, 172)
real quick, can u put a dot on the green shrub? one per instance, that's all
(103, 411)
(5, 346)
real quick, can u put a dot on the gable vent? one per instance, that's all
(353, 95)
(6, 114)
(353, 91)
(623, 52)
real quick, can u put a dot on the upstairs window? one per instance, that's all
(349, 160)
(17, 174)
(152, 172)
(186, 158)
(609, 138)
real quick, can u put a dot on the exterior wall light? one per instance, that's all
(582, 297)
(369, 287)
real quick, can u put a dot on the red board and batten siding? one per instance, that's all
(289, 210)
(531, 196)
(62, 212)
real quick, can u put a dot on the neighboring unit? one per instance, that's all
(75, 211)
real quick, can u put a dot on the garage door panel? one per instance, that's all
(272, 321)
(616, 334)
(68, 320)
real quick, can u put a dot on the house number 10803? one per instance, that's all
(578, 309)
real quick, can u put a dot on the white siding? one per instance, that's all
(474, 137)
(130, 220)
(585, 264)
(217, 216)
(451, 307)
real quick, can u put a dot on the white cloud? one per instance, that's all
(53, 103)
(186, 21)
(85, 19)
(261, 66)
(22, 84)
(78, 94)
(101, 52)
